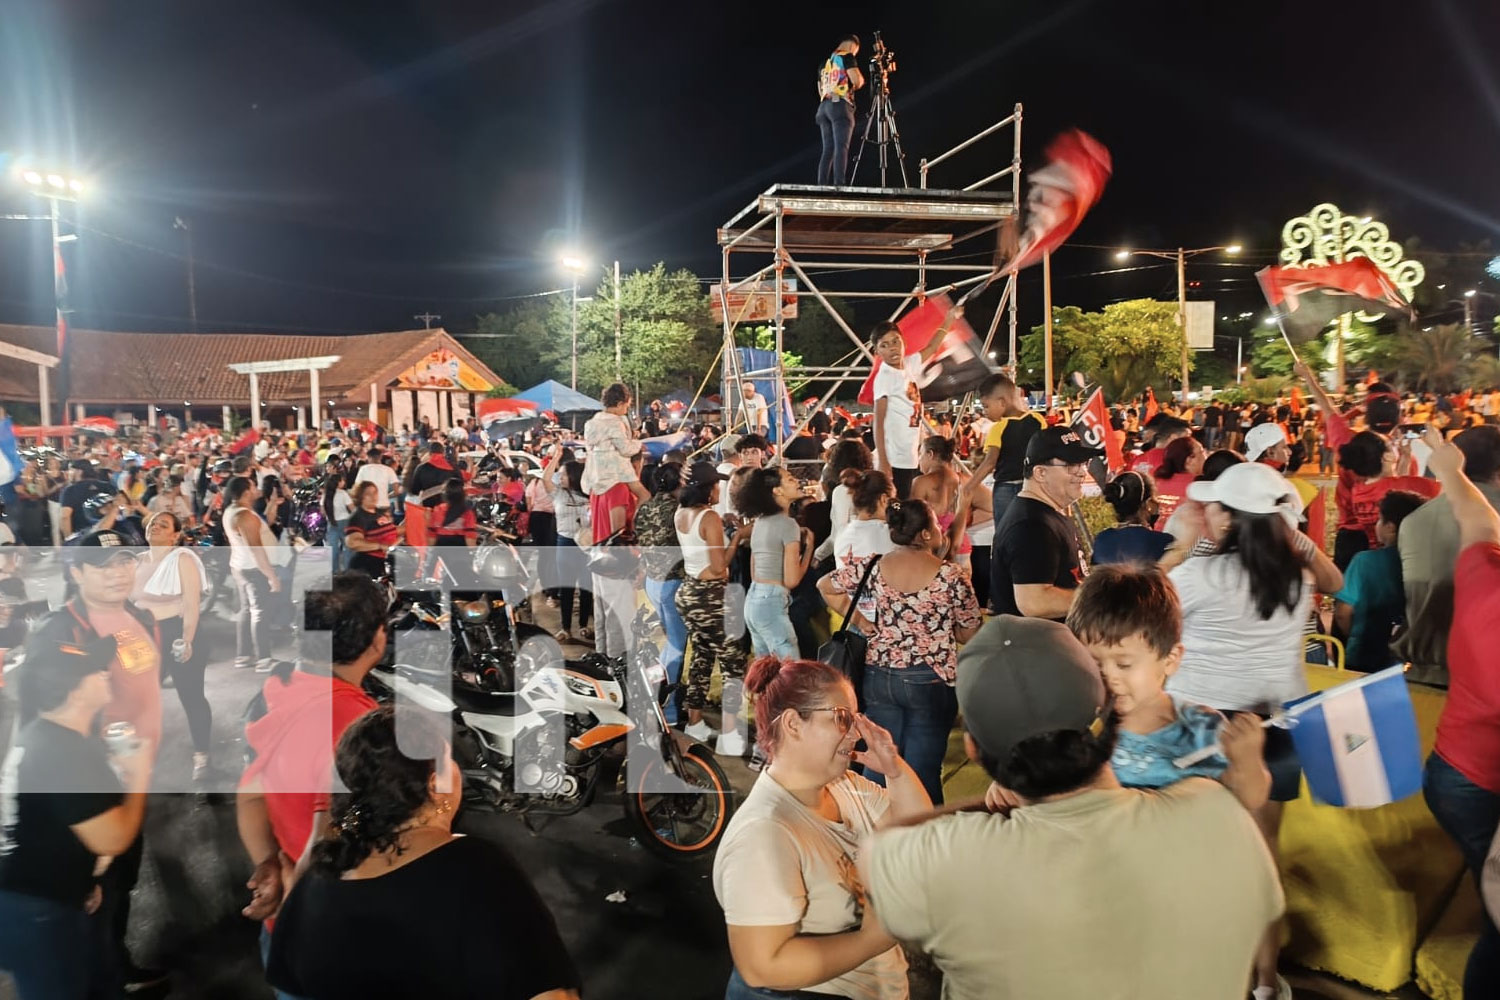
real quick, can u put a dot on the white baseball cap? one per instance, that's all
(1262, 438)
(1251, 488)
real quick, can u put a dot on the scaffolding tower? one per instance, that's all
(890, 237)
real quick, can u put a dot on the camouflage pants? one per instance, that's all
(701, 603)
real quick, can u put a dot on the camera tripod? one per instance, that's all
(881, 120)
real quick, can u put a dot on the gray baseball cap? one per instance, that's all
(1022, 677)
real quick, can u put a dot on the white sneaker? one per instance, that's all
(730, 744)
(1281, 991)
(700, 731)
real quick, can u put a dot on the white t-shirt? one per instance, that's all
(860, 539)
(1232, 659)
(383, 476)
(343, 506)
(901, 439)
(757, 412)
(781, 863)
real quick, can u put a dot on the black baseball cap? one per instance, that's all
(703, 473)
(81, 464)
(1059, 444)
(99, 548)
(1023, 677)
(52, 670)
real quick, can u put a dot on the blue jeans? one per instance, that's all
(836, 125)
(918, 709)
(265, 962)
(45, 946)
(770, 626)
(1469, 814)
(738, 989)
(663, 597)
(1003, 495)
(338, 553)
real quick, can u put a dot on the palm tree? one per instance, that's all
(1434, 358)
(1484, 372)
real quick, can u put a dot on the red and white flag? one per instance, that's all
(955, 369)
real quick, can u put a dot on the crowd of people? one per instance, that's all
(1082, 666)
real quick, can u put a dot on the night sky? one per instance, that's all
(344, 166)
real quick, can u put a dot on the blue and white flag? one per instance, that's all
(1358, 742)
(656, 448)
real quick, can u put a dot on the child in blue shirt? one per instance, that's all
(1372, 603)
(1129, 619)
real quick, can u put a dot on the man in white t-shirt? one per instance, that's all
(383, 476)
(757, 410)
(1083, 889)
(898, 403)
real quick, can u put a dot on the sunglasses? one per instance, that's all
(842, 717)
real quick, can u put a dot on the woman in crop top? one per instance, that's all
(169, 583)
(705, 563)
(780, 551)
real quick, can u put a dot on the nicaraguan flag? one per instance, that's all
(1358, 742)
(656, 448)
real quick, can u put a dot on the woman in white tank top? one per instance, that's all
(250, 546)
(701, 600)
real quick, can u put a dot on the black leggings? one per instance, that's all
(187, 678)
(573, 571)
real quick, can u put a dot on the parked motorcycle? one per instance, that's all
(536, 734)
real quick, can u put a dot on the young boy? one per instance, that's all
(1130, 621)
(1372, 603)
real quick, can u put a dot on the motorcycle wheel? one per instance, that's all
(682, 825)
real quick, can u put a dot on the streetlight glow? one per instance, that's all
(1122, 255)
(1469, 294)
(573, 262)
(76, 186)
(1232, 248)
(56, 180)
(31, 177)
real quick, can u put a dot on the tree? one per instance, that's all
(1484, 372)
(1434, 358)
(668, 338)
(1125, 348)
(514, 343)
(817, 336)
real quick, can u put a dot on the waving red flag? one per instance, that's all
(1060, 195)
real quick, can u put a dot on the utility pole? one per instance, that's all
(1047, 338)
(1239, 360)
(1182, 319)
(619, 365)
(573, 384)
(427, 318)
(187, 239)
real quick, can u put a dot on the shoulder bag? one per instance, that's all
(845, 650)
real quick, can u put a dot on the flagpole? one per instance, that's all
(1047, 337)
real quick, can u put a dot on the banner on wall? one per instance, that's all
(442, 369)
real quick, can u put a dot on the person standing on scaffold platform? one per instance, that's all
(837, 82)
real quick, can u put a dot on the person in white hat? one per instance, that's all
(1266, 443)
(1243, 608)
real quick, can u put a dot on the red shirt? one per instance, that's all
(1364, 499)
(1149, 461)
(294, 744)
(134, 673)
(1468, 732)
(1170, 492)
(464, 526)
(600, 506)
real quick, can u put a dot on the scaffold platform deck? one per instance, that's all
(862, 220)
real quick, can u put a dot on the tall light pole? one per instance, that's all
(1180, 255)
(576, 265)
(55, 188)
(1469, 312)
(619, 365)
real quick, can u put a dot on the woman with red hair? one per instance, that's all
(785, 872)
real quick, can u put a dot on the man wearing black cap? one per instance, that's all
(64, 809)
(1036, 562)
(1084, 889)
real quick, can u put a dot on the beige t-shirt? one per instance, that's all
(781, 863)
(1106, 895)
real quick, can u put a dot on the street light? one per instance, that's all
(577, 265)
(1180, 255)
(55, 187)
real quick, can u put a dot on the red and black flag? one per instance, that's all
(957, 367)
(1060, 194)
(1306, 299)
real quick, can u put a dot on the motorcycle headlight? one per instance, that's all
(579, 686)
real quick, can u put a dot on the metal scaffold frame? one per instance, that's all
(884, 232)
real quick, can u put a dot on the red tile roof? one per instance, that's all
(140, 368)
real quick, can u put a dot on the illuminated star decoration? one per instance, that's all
(1493, 268)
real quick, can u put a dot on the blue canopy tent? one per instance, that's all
(559, 398)
(682, 396)
(782, 422)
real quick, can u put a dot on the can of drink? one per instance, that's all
(119, 737)
(179, 648)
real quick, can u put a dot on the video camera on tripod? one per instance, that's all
(882, 58)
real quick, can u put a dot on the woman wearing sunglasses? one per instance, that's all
(785, 872)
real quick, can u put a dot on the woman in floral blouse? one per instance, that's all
(918, 609)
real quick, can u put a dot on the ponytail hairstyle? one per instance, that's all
(778, 685)
(908, 519)
(1129, 493)
(386, 788)
(866, 488)
(939, 447)
(668, 479)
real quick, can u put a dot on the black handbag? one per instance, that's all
(845, 650)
